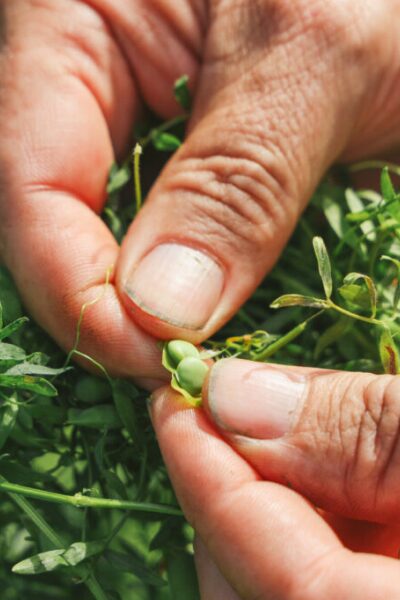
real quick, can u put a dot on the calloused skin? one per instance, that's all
(283, 89)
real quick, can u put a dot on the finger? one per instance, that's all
(266, 540)
(56, 150)
(333, 436)
(363, 536)
(226, 204)
(212, 584)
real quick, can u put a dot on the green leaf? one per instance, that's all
(182, 576)
(165, 535)
(358, 214)
(52, 560)
(356, 295)
(9, 297)
(28, 383)
(164, 141)
(388, 353)
(298, 300)
(9, 412)
(100, 416)
(123, 395)
(28, 368)
(333, 334)
(324, 265)
(333, 212)
(372, 291)
(387, 189)
(182, 92)
(48, 413)
(396, 296)
(10, 354)
(92, 390)
(80, 551)
(12, 327)
(41, 563)
(127, 563)
(115, 485)
(118, 178)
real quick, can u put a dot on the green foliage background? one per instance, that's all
(63, 431)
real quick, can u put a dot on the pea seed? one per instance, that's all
(177, 350)
(191, 373)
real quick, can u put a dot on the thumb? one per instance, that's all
(225, 205)
(332, 436)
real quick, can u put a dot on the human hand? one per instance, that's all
(282, 90)
(274, 443)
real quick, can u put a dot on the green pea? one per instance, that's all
(177, 350)
(190, 374)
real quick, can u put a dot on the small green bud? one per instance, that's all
(177, 350)
(190, 374)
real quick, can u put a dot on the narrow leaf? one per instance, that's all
(80, 551)
(29, 383)
(372, 291)
(298, 300)
(127, 563)
(100, 416)
(396, 295)
(182, 576)
(123, 395)
(12, 327)
(182, 92)
(27, 368)
(8, 418)
(166, 142)
(51, 560)
(388, 353)
(115, 485)
(118, 178)
(331, 335)
(387, 189)
(10, 354)
(324, 265)
(356, 295)
(43, 562)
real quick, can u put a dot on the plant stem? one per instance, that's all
(95, 587)
(348, 313)
(57, 541)
(79, 501)
(374, 164)
(136, 176)
(164, 127)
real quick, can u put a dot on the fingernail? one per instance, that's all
(256, 401)
(177, 284)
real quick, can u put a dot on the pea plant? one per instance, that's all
(87, 507)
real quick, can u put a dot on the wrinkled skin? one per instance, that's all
(283, 89)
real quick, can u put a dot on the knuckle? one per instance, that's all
(241, 203)
(349, 29)
(382, 449)
(312, 583)
(355, 431)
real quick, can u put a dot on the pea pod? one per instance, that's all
(182, 359)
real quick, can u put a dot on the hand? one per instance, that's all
(276, 443)
(282, 89)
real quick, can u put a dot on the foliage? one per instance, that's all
(87, 506)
